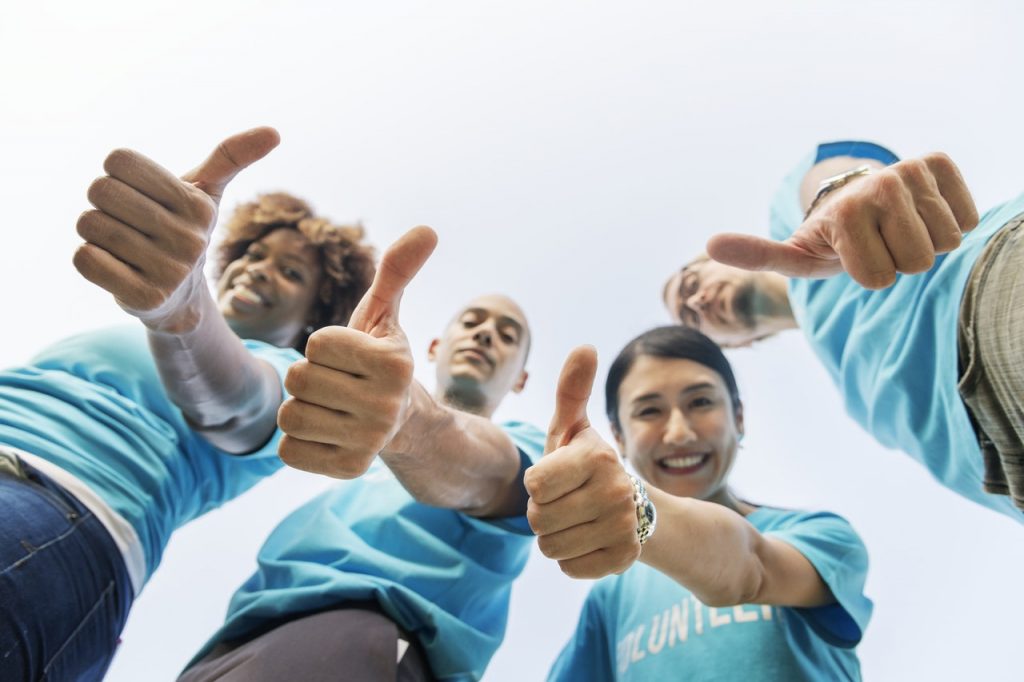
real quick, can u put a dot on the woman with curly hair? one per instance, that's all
(111, 440)
(346, 265)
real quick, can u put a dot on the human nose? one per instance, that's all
(257, 271)
(484, 336)
(698, 300)
(678, 431)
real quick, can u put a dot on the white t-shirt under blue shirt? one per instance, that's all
(644, 626)
(94, 406)
(442, 576)
(893, 352)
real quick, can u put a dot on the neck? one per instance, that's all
(459, 398)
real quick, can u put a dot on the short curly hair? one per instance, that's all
(348, 264)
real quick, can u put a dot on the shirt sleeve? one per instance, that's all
(587, 655)
(786, 212)
(840, 558)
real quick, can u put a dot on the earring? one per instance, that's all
(308, 330)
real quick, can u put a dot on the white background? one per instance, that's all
(571, 155)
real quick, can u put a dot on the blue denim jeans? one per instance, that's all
(64, 589)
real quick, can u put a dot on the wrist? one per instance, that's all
(414, 422)
(835, 182)
(184, 310)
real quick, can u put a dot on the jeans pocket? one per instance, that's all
(56, 499)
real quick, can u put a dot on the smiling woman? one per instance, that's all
(726, 586)
(286, 272)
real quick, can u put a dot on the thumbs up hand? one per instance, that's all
(146, 240)
(581, 499)
(351, 393)
(894, 220)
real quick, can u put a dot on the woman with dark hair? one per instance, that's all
(111, 440)
(727, 589)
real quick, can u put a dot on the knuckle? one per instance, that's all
(940, 162)
(202, 208)
(879, 279)
(920, 262)
(176, 273)
(296, 379)
(290, 417)
(915, 169)
(846, 210)
(887, 183)
(83, 259)
(604, 458)
(151, 298)
(193, 247)
(119, 159)
(99, 189)
(547, 547)
(535, 480)
(534, 517)
(88, 224)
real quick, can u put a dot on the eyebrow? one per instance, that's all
(292, 258)
(692, 388)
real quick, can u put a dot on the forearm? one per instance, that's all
(706, 547)
(725, 561)
(227, 395)
(453, 459)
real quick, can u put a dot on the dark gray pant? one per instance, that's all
(991, 346)
(351, 644)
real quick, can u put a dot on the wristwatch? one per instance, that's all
(646, 514)
(835, 182)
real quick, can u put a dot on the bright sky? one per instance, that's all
(570, 155)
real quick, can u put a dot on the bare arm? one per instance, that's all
(449, 458)
(146, 244)
(720, 557)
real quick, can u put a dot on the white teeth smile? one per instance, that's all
(682, 462)
(248, 295)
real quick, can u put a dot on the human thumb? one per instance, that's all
(574, 386)
(230, 157)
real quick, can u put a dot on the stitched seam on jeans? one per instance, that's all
(99, 602)
(48, 543)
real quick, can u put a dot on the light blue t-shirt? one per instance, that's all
(442, 576)
(644, 626)
(893, 352)
(94, 406)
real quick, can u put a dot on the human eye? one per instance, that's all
(292, 273)
(690, 284)
(646, 412)
(702, 401)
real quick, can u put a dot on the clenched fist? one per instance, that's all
(146, 239)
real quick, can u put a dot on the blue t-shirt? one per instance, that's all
(94, 406)
(893, 352)
(643, 626)
(442, 576)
